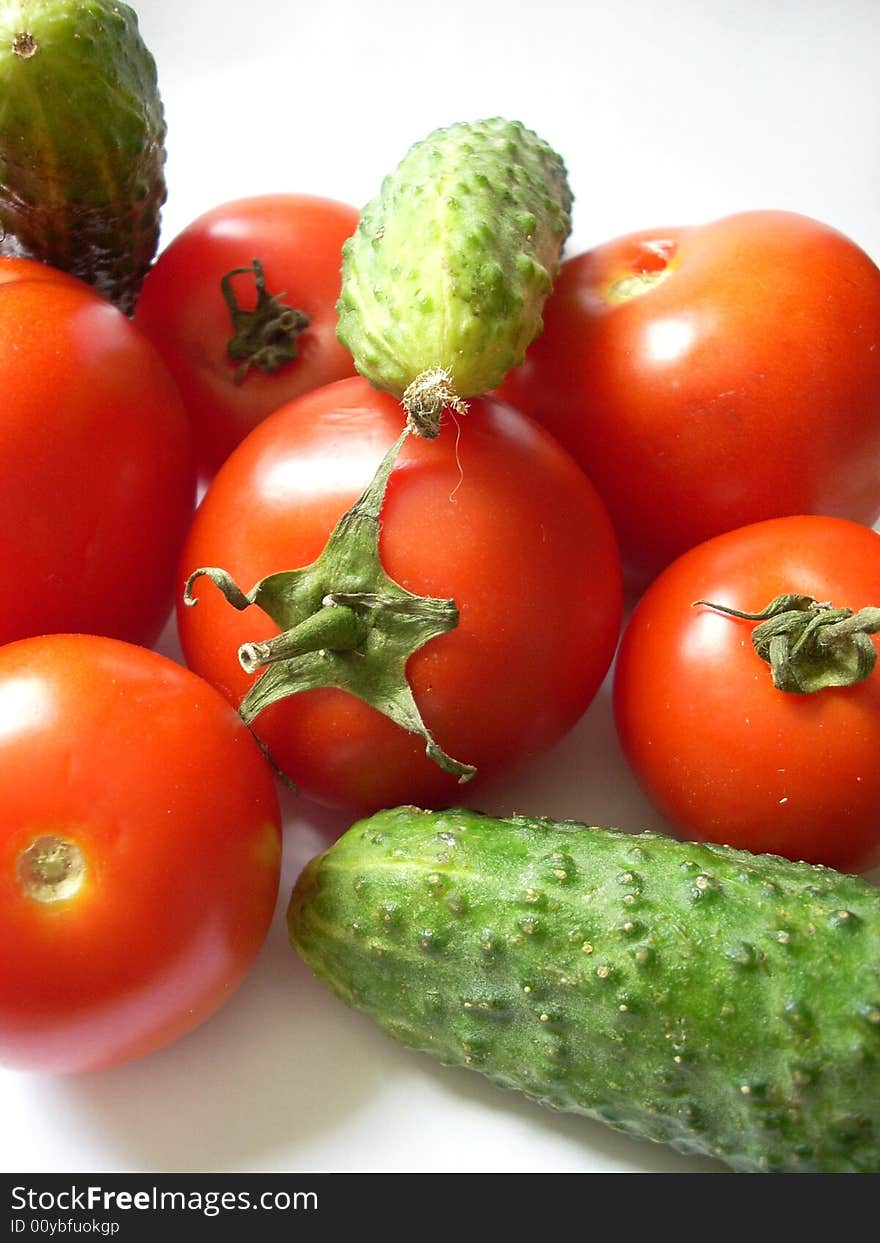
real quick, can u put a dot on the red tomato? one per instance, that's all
(139, 852)
(492, 514)
(706, 378)
(723, 754)
(96, 463)
(13, 268)
(298, 240)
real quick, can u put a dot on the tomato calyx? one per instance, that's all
(809, 645)
(344, 623)
(265, 337)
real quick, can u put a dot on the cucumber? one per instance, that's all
(724, 1003)
(82, 141)
(445, 278)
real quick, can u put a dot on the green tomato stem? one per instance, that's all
(343, 623)
(333, 628)
(811, 646)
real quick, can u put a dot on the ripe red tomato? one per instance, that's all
(706, 378)
(139, 852)
(723, 754)
(492, 514)
(14, 268)
(298, 240)
(96, 462)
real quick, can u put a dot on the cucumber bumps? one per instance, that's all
(446, 277)
(82, 136)
(725, 1003)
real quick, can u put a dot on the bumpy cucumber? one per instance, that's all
(451, 264)
(725, 1003)
(82, 136)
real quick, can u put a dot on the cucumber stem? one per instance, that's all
(425, 399)
(24, 45)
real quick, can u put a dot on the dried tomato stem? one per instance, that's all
(265, 337)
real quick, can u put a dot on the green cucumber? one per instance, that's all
(724, 1003)
(82, 141)
(445, 278)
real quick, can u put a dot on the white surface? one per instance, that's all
(665, 113)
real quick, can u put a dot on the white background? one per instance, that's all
(665, 113)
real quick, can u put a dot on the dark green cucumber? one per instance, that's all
(450, 266)
(82, 141)
(725, 1003)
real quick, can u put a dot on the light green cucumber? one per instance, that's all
(82, 141)
(445, 279)
(725, 1003)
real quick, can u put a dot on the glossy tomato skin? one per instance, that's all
(298, 239)
(725, 756)
(492, 514)
(97, 467)
(13, 268)
(156, 781)
(743, 384)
